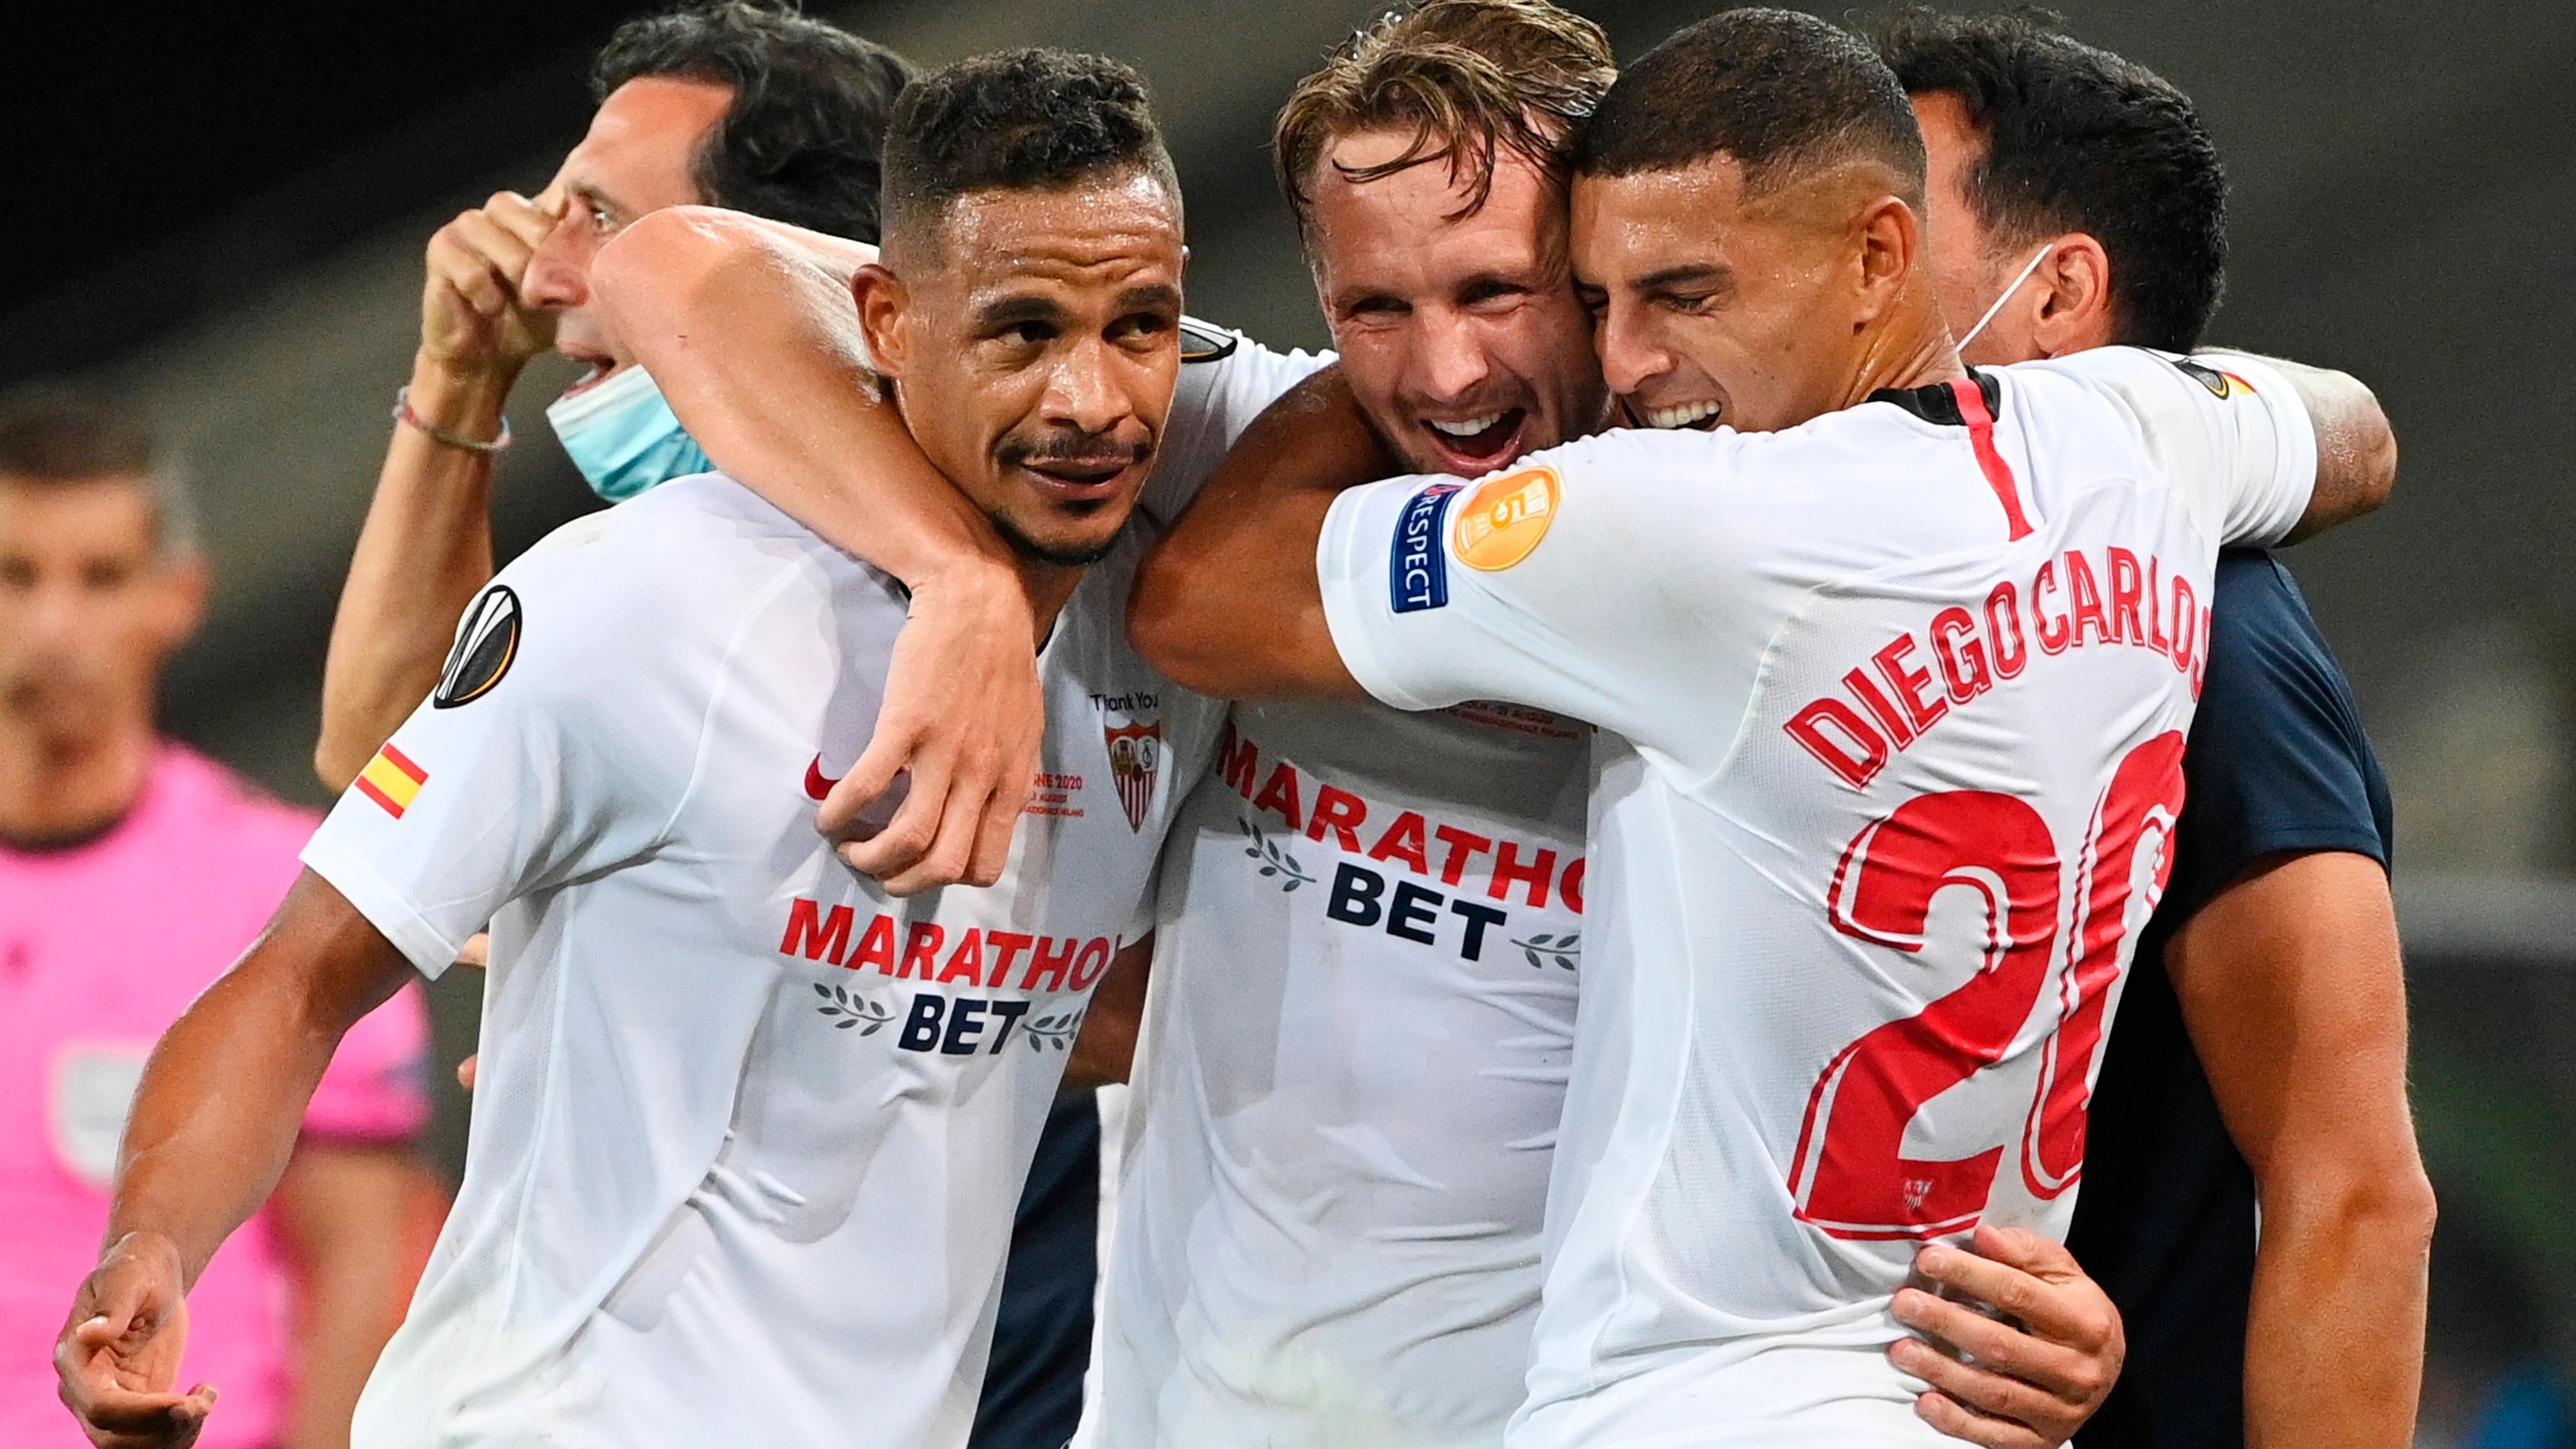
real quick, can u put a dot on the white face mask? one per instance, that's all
(2027, 268)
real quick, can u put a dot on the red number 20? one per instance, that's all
(1850, 1176)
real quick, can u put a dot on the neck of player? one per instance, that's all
(1908, 345)
(59, 787)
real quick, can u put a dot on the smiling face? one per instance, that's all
(635, 160)
(1461, 336)
(1035, 350)
(1718, 309)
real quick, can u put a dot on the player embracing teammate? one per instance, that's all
(1891, 662)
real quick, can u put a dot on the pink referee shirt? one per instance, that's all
(101, 947)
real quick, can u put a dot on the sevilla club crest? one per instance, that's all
(1135, 756)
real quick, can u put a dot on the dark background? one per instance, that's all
(220, 209)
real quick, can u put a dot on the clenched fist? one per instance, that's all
(474, 320)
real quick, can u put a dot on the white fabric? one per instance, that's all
(1212, 404)
(749, 1133)
(1354, 1061)
(1750, 961)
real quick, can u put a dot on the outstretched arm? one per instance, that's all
(1228, 603)
(214, 1123)
(749, 329)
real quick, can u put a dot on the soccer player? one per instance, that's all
(749, 1127)
(132, 870)
(2075, 198)
(1328, 1237)
(1891, 684)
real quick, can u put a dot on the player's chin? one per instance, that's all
(1071, 533)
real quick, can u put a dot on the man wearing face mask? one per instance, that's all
(736, 104)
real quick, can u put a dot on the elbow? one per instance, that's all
(2380, 1204)
(333, 764)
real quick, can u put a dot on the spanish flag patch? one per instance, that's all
(392, 780)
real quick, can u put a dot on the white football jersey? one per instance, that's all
(1354, 1061)
(749, 1132)
(1898, 699)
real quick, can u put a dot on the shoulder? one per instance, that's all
(658, 583)
(2267, 657)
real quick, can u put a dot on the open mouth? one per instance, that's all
(600, 368)
(1480, 443)
(1701, 416)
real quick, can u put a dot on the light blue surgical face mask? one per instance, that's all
(624, 437)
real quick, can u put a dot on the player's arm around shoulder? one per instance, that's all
(752, 332)
(1228, 602)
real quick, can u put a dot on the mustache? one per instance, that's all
(1067, 448)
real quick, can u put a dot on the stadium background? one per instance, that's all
(220, 210)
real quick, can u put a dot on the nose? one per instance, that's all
(558, 276)
(1630, 355)
(1450, 354)
(1084, 390)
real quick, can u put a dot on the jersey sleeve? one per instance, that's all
(2278, 760)
(2227, 427)
(1582, 581)
(560, 741)
(1226, 380)
(377, 1086)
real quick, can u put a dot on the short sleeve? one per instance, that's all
(1226, 380)
(2278, 760)
(1578, 581)
(559, 742)
(377, 1086)
(2226, 426)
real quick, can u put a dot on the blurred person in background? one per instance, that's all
(132, 872)
(2258, 1073)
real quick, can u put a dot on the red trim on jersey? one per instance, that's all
(1981, 436)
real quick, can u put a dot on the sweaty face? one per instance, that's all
(1715, 310)
(1035, 354)
(88, 607)
(1967, 274)
(635, 160)
(1462, 339)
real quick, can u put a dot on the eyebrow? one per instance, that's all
(1010, 311)
(1715, 273)
(1153, 297)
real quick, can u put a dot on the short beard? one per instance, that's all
(1035, 552)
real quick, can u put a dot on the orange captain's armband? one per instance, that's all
(1505, 518)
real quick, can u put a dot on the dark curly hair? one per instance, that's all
(801, 141)
(1032, 119)
(2078, 139)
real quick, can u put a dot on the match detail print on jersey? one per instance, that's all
(486, 644)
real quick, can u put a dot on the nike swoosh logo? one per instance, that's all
(816, 784)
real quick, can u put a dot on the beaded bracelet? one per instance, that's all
(404, 415)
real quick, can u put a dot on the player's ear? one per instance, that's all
(2074, 297)
(884, 310)
(1888, 237)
